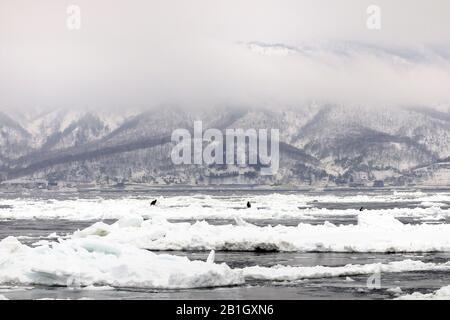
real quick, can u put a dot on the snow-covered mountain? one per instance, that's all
(14, 139)
(320, 145)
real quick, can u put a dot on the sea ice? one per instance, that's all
(268, 206)
(373, 233)
(290, 273)
(95, 261)
(441, 294)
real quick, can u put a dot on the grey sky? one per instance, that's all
(145, 53)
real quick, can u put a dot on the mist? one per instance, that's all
(223, 53)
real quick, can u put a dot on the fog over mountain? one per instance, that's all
(148, 53)
(353, 105)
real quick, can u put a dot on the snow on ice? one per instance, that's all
(96, 264)
(373, 233)
(441, 294)
(271, 206)
(289, 273)
(97, 261)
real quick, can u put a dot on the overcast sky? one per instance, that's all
(196, 52)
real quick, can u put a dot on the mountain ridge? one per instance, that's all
(320, 144)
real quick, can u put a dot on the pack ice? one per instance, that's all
(373, 233)
(97, 261)
(441, 294)
(271, 206)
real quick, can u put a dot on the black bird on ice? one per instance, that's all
(153, 203)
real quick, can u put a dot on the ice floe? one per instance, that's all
(372, 233)
(395, 290)
(92, 263)
(95, 264)
(441, 294)
(290, 273)
(267, 206)
(95, 261)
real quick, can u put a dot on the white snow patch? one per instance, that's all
(396, 290)
(348, 279)
(432, 204)
(289, 273)
(95, 261)
(98, 288)
(271, 206)
(211, 257)
(373, 233)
